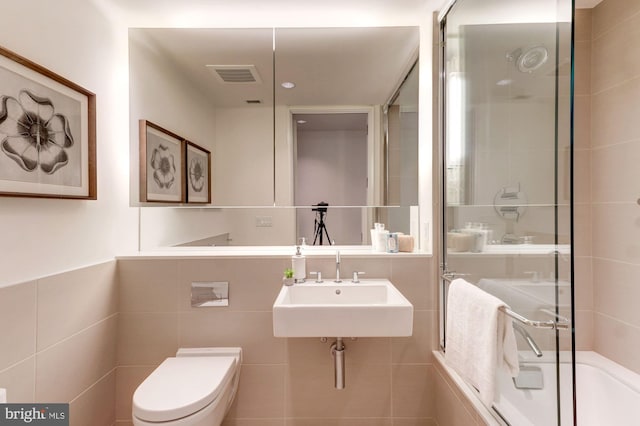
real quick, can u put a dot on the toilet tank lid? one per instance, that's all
(181, 386)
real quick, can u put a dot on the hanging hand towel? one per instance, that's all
(480, 338)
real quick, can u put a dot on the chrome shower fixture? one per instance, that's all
(530, 59)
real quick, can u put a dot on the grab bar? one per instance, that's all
(559, 325)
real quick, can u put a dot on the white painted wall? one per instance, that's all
(160, 93)
(43, 236)
(326, 159)
(240, 140)
(243, 160)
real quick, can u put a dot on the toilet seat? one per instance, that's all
(181, 386)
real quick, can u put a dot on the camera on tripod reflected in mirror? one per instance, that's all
(319, 227)
(321, 207)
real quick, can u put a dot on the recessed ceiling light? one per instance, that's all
(504, 82)
(301, 121)
(288, 85)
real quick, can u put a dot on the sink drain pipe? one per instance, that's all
(337, 350)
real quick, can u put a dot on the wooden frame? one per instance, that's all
(198, 174)
(47, 133)
(162, 167)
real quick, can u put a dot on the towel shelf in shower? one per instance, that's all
(561, 323)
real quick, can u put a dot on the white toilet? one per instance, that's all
(194, 388)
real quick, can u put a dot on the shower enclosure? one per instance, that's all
(506, 90)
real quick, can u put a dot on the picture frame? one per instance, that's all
(198, 174)
(47, 133)
(162, 167)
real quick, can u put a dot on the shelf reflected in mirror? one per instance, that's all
(267, 226)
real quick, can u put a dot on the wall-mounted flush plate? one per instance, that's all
(264, 221)
(206, 294)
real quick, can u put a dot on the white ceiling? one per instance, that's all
(343, 66)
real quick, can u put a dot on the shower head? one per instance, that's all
(530, 59)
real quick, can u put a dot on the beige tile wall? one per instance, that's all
(60, 342)
(615, 155)
(390, 381)
(583, 182)
(452, 406)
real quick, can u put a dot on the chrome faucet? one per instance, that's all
(356, 276)
(527, 337)
(318, 276)
(337, 280)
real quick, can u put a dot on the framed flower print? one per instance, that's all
(198, 163)
(47, 133)
(161, 164)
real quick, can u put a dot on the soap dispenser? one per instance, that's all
(299, 266)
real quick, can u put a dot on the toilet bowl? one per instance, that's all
(194, 388)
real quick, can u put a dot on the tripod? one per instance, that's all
(319, 226)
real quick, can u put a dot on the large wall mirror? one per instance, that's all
(344, 134)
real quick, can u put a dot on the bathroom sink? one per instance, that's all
(370, 308)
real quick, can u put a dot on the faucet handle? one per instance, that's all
(318, 276)
(356, 276)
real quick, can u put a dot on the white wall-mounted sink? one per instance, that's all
(370, 308)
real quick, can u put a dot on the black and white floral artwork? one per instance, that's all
(37, 138)
(198, 174)
(45, 129)
(163, 165)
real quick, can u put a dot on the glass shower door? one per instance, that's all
(507, 190)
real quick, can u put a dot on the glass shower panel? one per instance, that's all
(507, 184)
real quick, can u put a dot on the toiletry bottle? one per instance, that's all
(487, 234)
(377, 242)
(392, 242)
(374, 237)
(475, 236)
(299, 266)
(381, 243)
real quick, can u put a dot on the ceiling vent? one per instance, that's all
(233, 74)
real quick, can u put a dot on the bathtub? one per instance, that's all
(607, 393)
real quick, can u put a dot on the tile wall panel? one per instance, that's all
(283, 381)
(615, 133)
(61, 342)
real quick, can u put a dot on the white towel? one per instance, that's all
(480, 338)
